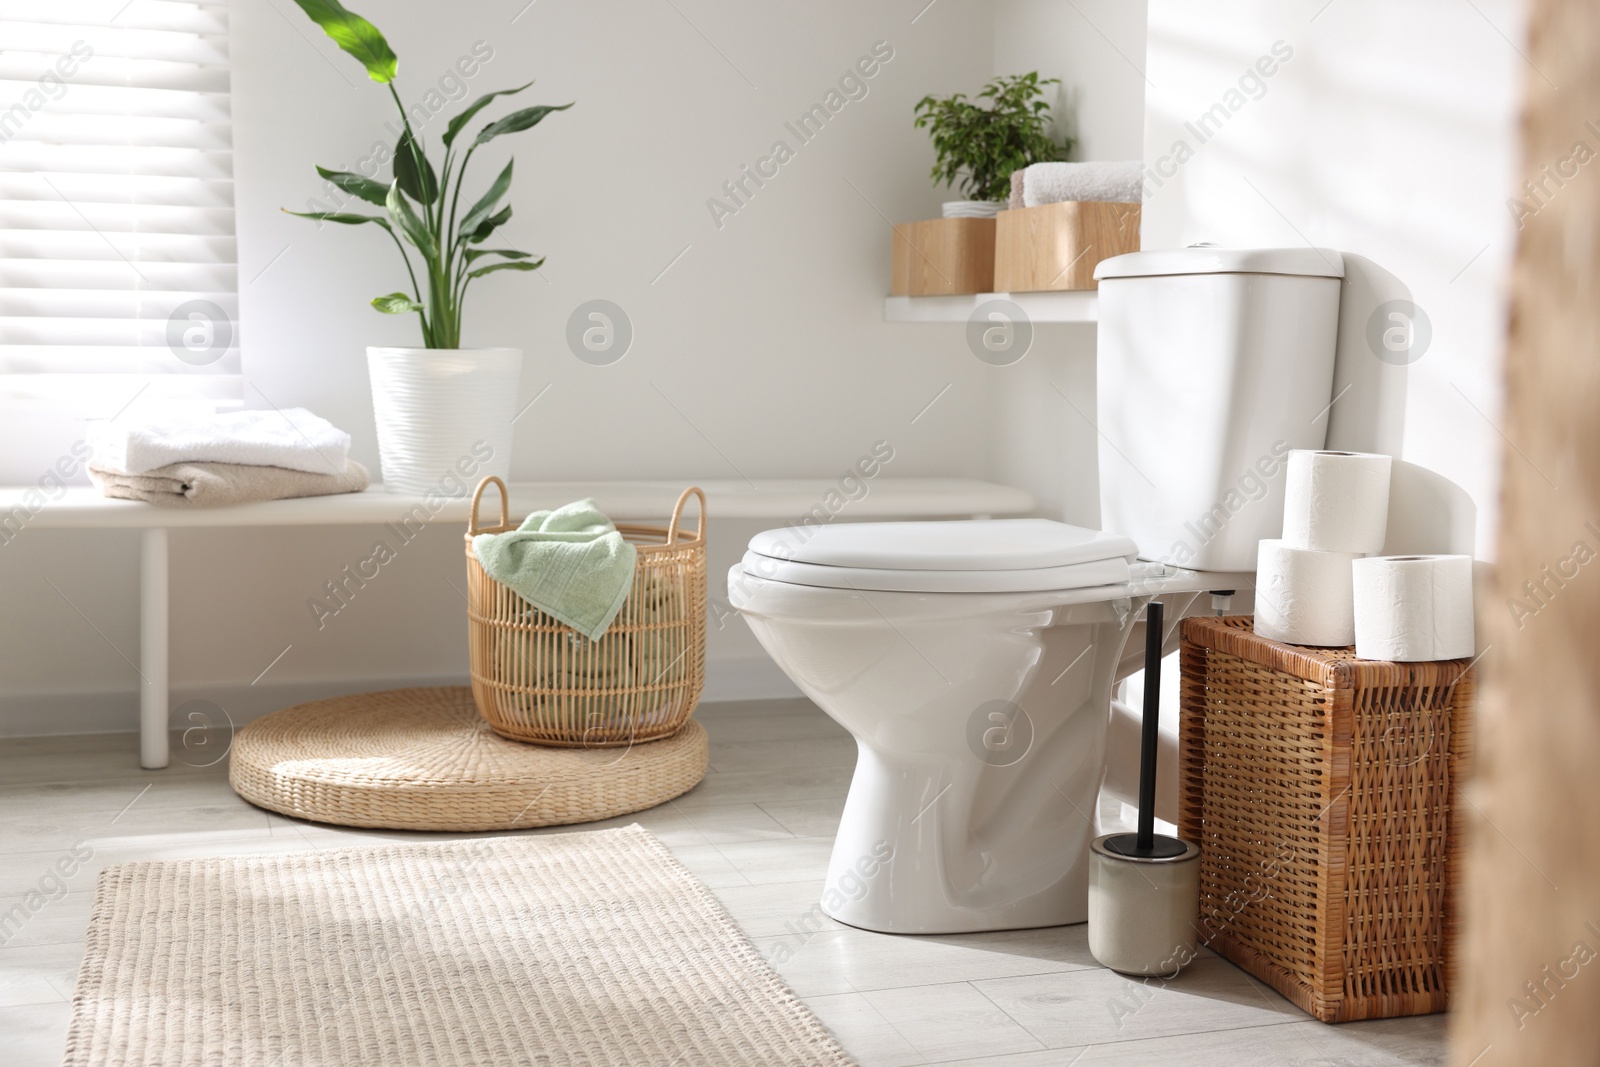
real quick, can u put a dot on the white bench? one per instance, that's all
(779, 501)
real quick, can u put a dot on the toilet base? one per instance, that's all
(959, 846)
(1063, 914)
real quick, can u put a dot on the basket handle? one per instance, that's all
(473, 529)
(677, 514)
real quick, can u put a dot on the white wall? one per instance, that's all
(1036, 438)
(767, 334)
(1096, 48)
(1390, 135)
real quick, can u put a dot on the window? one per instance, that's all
(117, 252)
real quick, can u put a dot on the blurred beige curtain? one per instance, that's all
(1528, 981)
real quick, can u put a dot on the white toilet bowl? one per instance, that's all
(973, 662)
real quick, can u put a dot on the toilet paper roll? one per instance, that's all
(1302, 597)
(1336, 501)
(1413, 608)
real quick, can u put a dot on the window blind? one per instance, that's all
(117, 249)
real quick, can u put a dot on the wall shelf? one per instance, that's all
(1078, 305)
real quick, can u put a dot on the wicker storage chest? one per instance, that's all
(1323, 791)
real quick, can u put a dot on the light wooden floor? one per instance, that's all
(758, 831)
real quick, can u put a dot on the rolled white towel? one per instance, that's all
(293, 438)
(1053, 183)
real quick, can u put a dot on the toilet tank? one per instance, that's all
(1212, 364)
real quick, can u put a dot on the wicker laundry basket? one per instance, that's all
(536, 679)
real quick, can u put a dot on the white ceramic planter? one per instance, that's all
(972, 209)
(438, 407)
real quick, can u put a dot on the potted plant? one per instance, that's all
(980, 146)
(438, 404)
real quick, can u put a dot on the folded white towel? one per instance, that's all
(1053, 183)
(293, 438)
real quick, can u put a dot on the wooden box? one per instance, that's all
(1058, 246)
(1323, 793)
(942, 257)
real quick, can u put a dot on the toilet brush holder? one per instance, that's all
(1144, 887)
(1143, 909)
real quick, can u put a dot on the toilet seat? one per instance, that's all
(971, 556)
(874, 579)
(960, 544)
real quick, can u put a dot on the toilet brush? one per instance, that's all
(1144, 887)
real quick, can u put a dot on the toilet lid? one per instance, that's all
(1017, 580)
(970, 545)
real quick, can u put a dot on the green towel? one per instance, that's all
(570, 563)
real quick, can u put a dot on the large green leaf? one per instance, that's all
(413, 227)
(486, 203)
(516, 122)
(344, 218)
(476, 106)
(354, 184)
(395, 304)
(481, 271)
(414, 172)
(508, 253)
(489, 225)
(355, 35)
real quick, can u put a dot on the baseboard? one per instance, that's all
(747, 679)
(204, 706)
(216, 707)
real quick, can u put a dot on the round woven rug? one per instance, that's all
(422, 759)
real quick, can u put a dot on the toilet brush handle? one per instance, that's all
(1150, 736)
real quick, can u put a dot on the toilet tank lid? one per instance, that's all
(958, 545)
(1205, 259)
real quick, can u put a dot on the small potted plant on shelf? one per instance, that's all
(980, 146)
(439, 404)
